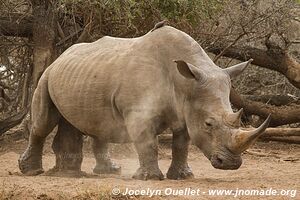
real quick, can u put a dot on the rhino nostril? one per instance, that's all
(219, 160)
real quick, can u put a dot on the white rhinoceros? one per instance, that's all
(121, 90)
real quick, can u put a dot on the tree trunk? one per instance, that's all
(276, 100)
(281, 132)
(290, 140)
(279, 115)
(43, 37)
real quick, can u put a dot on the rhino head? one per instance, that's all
(210, 121)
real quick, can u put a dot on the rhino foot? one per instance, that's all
(107, 168)
(177, 173)
(55, 171)
(146, 174)
(30, 162)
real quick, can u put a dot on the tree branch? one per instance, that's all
(277, 60)
(12, 121)
(16, 25)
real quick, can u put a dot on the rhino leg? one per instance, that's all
(30, 162)
(143, 129)
(104, 165)
(44, 117)
(179, 168)
(148, 158)
(67, 146)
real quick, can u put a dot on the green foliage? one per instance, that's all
(191, 11)
(139, 16)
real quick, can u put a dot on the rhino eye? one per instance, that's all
(208, 124)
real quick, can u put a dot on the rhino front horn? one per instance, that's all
(242, 140)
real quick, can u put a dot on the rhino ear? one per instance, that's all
(236, 70)
(188, 70)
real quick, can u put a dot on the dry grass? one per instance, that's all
(9, 193)
(103, 193)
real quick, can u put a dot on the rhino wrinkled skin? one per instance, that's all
(131, 90)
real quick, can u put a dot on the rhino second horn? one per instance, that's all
(234, 119)
(242, 139)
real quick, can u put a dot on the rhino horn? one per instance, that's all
(234, 119)
(241, 140)
(236, 70)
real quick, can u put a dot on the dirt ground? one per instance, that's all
(274, 166)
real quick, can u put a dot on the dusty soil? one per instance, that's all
(275, 166)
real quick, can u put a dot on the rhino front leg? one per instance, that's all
(179, 168)
(104, 165)
(147, 150)
(143, 130)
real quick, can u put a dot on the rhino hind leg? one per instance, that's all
(44, 117)
(104, 165)
(179, 168)
(67, 146)
(30, 162)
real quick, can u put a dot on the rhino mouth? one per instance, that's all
(225, 161)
